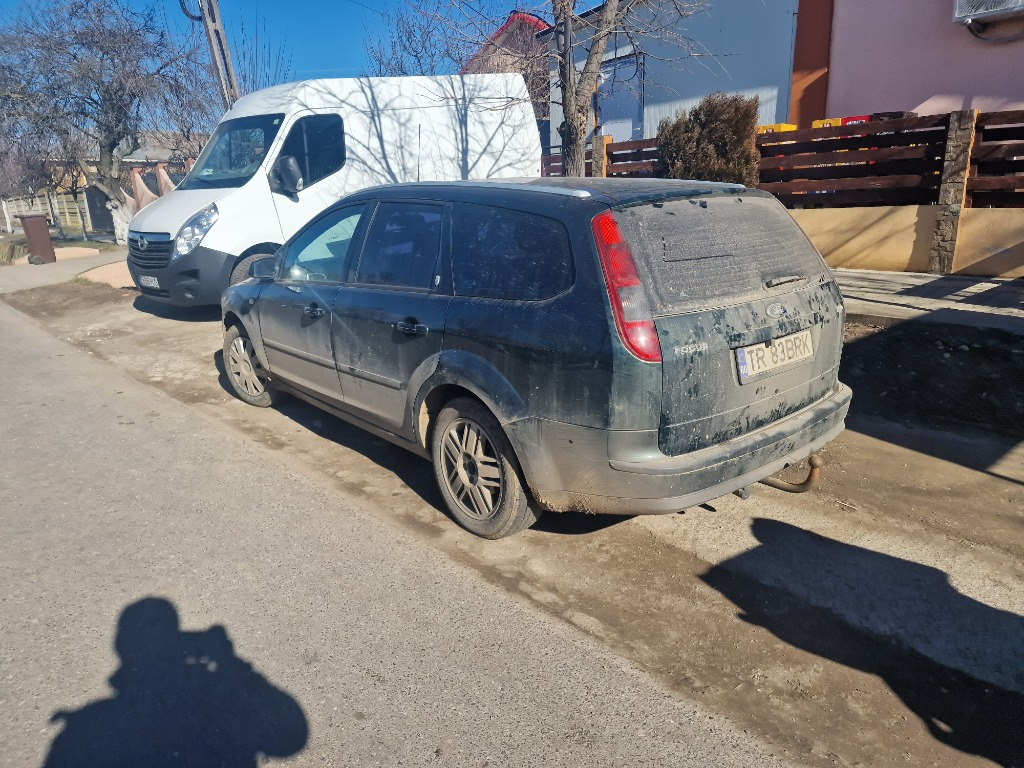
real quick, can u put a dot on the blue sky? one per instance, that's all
(324, 37)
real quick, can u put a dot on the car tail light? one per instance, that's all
(633, 318)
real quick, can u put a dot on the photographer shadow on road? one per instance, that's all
(892, 618)
(181, 699)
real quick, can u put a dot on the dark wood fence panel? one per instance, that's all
(997, 161)
(889, 162)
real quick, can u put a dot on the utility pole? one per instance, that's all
(209, 15)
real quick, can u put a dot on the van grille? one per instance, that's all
(150, 251)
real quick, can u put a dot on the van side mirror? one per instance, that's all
(262, 269)
(288, 175)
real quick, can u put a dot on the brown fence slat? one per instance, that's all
(996, 183)
(861, 129)
(997, 151)
(858, 170)
(626, 146)
(826, 185)
(640, 166)
(935, 137)
(858, 197)
(857, 156)
(1001, 118)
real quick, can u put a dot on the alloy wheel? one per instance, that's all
(472, 471)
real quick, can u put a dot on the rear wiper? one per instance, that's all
(777, 281)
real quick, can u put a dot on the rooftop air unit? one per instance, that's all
(986, 10)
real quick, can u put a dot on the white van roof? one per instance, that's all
(375, 93)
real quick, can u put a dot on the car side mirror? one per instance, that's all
(262, 269)
(288, 175)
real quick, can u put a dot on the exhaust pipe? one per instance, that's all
(816, 463)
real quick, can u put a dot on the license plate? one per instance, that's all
(760, 358)
(148, 281)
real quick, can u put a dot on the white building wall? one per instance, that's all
(738, 46)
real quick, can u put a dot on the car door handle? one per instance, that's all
(314, 311)
(412, 329)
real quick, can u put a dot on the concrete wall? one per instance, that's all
(891, 238)
(990, 242)
(890, 55)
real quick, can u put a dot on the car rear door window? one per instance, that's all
(505, 254)
(402, 246)
(321, 252)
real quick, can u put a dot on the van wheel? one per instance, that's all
(477, 472)
(241, 270)
(246, 374)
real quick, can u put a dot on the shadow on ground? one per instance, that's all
(918, 374)
(797, 584)
(415, 472)
(170, 312)
(180, 699)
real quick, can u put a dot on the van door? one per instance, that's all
(390, 317)
(295, 310)
(317, 142)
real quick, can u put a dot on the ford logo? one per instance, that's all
(776, 310)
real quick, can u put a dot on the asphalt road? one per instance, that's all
(171, 594)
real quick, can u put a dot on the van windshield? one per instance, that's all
(234, 153)
(715, 250)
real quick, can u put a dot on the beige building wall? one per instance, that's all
(890, 238)
(909, 55)
(990, 242)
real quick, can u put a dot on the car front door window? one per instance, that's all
(321, 252)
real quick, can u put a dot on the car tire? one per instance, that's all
(248, 378)
(477, 472)
(241, 270)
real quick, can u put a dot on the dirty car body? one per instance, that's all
(642, 345)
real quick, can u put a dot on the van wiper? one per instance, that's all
(777, 281)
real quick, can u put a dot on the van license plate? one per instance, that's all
(760, 358)
(148, 281)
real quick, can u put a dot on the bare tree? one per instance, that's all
(95, 75)
(425, 33)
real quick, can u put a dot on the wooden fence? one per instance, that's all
(58, 205)
(997, 161)
(888, 162)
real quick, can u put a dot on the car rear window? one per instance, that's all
(710, 251)
(499, 253)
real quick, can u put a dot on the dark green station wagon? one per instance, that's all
(599, 345)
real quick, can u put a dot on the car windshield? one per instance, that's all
(234, 153)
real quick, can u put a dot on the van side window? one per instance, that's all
(402, 246)
(320, 252)
(318, 145)
(502, 254)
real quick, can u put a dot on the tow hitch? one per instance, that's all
(816, 463)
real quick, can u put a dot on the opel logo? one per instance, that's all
(776, 310)
(142, 245)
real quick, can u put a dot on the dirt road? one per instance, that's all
(876, 621)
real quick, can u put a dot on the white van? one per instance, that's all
(281, 155)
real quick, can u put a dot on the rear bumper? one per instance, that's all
(567, 480)
(194, 280)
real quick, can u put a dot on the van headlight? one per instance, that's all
(194, 230)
